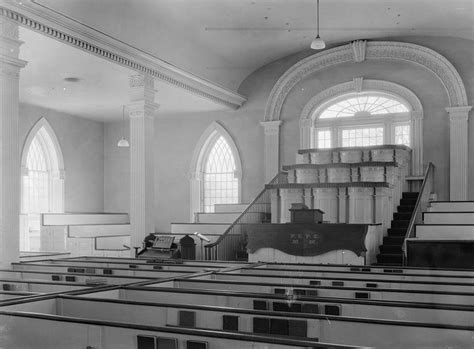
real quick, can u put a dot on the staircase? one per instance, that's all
(391, 249)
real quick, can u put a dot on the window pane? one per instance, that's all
(372, 105)
(220, 184)
(402, 134)
(362, 137)
(324, 139)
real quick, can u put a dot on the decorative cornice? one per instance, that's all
(50, 23)
(360, 85)
(376, 50)
(359, 48)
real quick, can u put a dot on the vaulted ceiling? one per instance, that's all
(222, 41)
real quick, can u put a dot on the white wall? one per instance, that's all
(81, 142)
(176, 135)
(116, 169)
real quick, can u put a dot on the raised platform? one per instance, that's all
(313, 243)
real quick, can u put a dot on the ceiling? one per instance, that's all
(219, 40)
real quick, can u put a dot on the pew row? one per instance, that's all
(397, 295)
(325, 328)
(363, 308)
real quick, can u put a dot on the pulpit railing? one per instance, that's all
(233, 241)
(421, 206)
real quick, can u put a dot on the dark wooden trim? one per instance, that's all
(40, 282)
(343, 288)
(343, 266)
(180, 330)
(375, 147)
(349, 279)
(128, 269)
(343, 164)
(328, 185)
(79, 274)
(273, 313)
(226, 293)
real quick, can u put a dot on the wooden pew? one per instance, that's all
(89, 278)
(397, 295)
(367, 308)
(331, 329)
(156, 272)
(363, 281)
(50, 331)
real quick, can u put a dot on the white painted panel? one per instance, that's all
(449, 218)
(444, 229)
(455, 235)
(224, 217)
(83, 231)
(182, 228)
(230, 207)
(112, 242)
(453, 206)
(84, 218)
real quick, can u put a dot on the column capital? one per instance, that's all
(271, 127)
(142, 109)
(306, 122)
(459, 113)
(142, 88)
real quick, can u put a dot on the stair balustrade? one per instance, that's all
(233, 240)
(421, 205)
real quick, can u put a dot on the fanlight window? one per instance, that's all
(362, 119)
(220, 182)
(364, 105)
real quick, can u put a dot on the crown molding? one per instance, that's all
(371, 50)
(43, 20)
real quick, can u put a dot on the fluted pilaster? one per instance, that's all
(272, 148)
(10, 67)
(141, 111)
(458, 151)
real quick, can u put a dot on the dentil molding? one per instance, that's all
(372, 50)
(39, 18)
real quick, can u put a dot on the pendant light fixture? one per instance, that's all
(123, 143)
(317, 43)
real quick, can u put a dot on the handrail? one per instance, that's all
(278, 177)
(421, 203)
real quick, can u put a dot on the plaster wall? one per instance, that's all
(176, 135)
(81, 142)
(116, 168)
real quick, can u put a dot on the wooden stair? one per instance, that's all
(391, 250)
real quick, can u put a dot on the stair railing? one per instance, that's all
(234, 239)
(421, 205)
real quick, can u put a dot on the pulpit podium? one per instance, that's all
(300, 213)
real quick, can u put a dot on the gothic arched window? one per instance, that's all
(42, 182)
(220, 185)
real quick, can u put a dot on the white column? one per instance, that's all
(417, 144)
(458, 152)
(142, 193)
(272, 148)
(10, 67)
(305, 133)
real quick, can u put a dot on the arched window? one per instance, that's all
(42, 183)
(216, 171)
(362, 119)
(220, 183)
